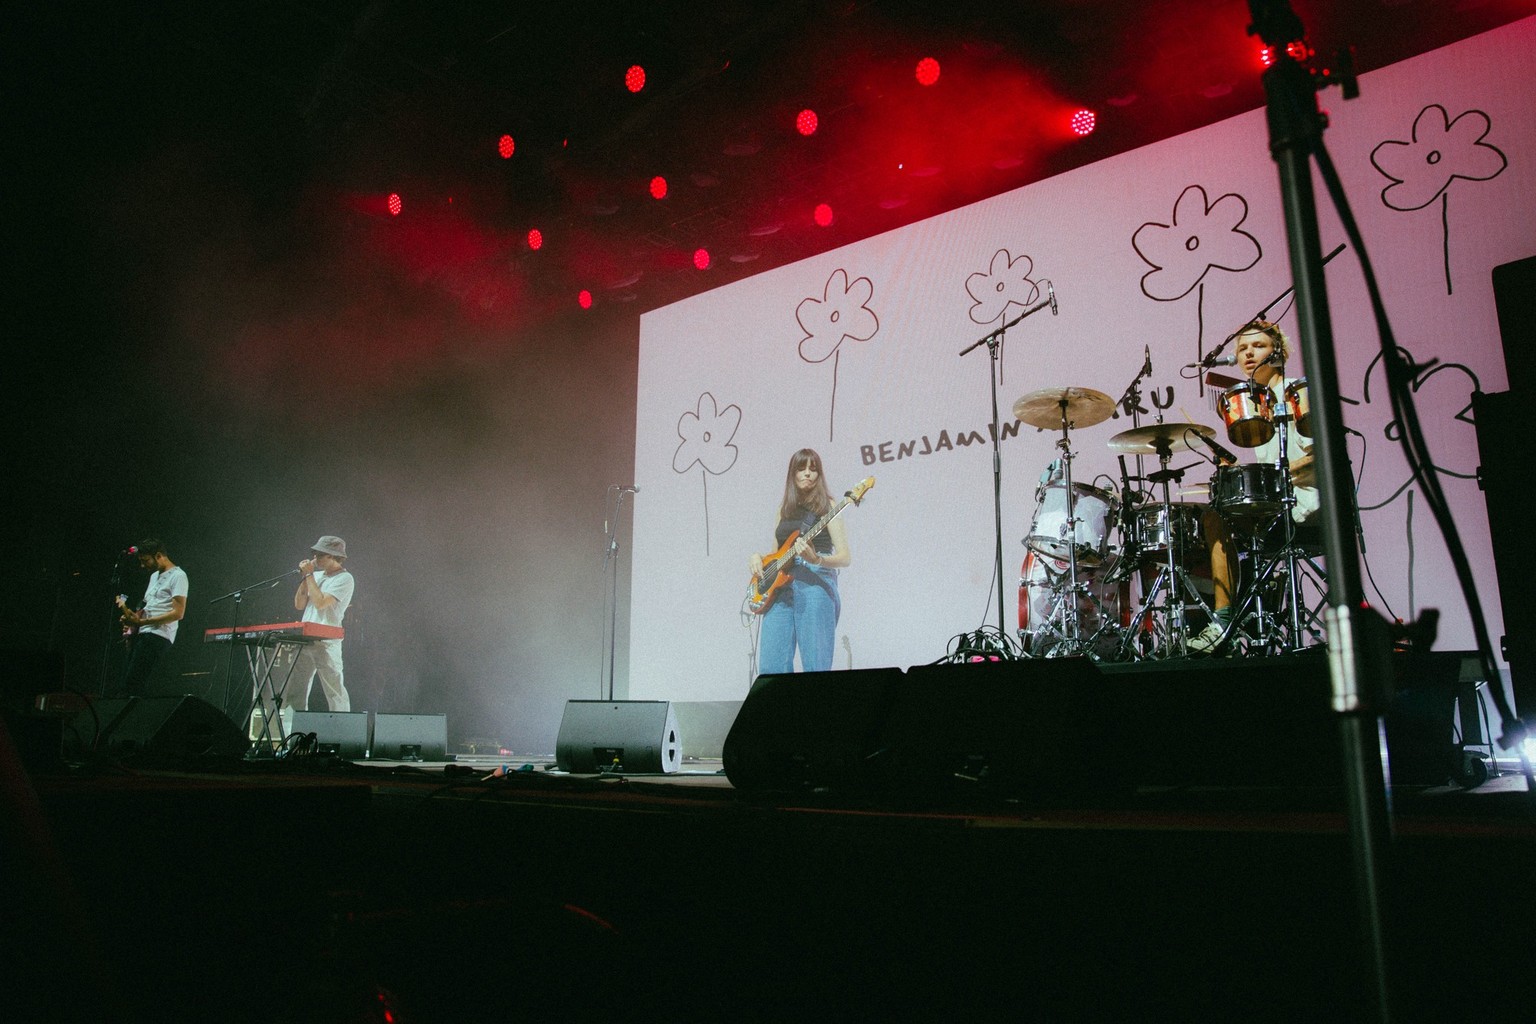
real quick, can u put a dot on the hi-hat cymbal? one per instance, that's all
(1156, 437)
(1085, 407)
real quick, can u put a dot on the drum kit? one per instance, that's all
(1091, 546)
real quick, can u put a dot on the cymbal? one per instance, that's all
(1085, 407)
(1148, 439)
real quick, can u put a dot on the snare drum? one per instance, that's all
(1297, 405)
(1152, 534)
(1248, 491)
(1095, 511)
(1248, 410)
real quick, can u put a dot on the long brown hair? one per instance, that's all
(821, 499)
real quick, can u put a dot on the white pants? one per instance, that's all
(322, 659)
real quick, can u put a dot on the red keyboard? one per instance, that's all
(294, 632)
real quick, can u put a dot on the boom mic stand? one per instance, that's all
(1358, 642)
(994, 343)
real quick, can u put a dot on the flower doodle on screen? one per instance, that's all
(1203, 236)
(841, 313)
(1005, 283)
(1439, 151)
(706, 435)
(1437, 388)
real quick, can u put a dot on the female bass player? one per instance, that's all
(804, 609)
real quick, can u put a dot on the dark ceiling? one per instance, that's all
(298, 110)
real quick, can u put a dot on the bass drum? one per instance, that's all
(1107, 601)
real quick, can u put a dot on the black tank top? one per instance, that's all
(823, 542)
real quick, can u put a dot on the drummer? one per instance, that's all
(1262, 351)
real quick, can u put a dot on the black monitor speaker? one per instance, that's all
(630, 736)
(409, 738)
(344, 733)
(153, 727)
(811, 730)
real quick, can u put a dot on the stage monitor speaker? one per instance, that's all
(344, 733)
(409, 738)
(629, 736)
(811, 730)
(153, 727)
(1016, 730)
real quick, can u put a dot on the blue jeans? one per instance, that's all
(804, 614)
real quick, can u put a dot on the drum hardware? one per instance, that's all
(1045, 594)
(1069, 407)
(1258, 498)
(1172, 584)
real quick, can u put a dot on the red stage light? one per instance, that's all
(634, 78)
(395, 206)
(805, 122)
(701, 258)
(823, 214)
(1296, 50)
(505, 146)
(1083, 122)
(927, 71)
(535, 239)
(584, 299)
(658, 187)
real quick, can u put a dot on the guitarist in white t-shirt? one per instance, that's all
(153, 627)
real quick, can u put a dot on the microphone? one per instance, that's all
(631, 488)
(1051, 290)
(1221, 453)
(1146, 368)
(131, 549)
(1273, 360)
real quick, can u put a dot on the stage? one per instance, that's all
(504, 889)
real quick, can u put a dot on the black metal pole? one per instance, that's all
(1357, 645)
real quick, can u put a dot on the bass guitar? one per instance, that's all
(765, 584)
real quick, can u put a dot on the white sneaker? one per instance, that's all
(1203, 641)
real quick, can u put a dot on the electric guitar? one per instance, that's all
(129, 629)
(773, 573)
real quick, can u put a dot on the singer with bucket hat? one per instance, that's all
(325, 591)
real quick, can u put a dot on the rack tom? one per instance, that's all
(1297, 404)
(1248, 410)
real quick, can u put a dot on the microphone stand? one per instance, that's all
(1358, 643)
(1210, 357)
(994, 343)
(238, 596)
(611, 570)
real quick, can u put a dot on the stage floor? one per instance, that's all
(449, 892)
